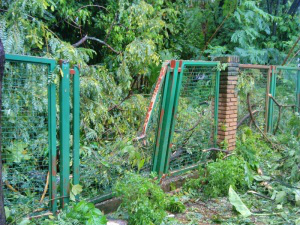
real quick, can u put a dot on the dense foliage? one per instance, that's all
(120, 46)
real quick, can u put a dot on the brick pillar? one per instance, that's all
(228, 102)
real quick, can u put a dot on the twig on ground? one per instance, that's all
(46, 188)
(10, 187)
(259, 195)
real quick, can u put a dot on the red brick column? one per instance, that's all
(228, 101)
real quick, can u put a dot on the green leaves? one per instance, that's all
(236, 201)
(86, 213)
(17, 152)
(76, 189)
(142, 199)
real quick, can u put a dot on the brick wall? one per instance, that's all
(228, 102)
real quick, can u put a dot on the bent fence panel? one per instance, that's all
(188, 116)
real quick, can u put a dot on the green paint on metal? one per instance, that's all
(30, 70)
(76, 126)
(216, 110)
(271, 102)
(160, 122)
(173, 116)
(170, 107)
(64, 119)
(30, 59)
(52, 142)
(287, 68)
(166, 121)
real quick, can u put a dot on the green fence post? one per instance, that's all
(178, 77)
(64, 120)
(298, 91)
(76, 126)
(52, 140)
(216, 110)
(165, 120)
(160, 122)
(271, 102)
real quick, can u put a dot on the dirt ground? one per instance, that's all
(214, 211)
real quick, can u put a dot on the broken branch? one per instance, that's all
(85, 38)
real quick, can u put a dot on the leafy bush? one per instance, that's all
(221, 174)
(142, 199)
(174, 205)
(81, 213)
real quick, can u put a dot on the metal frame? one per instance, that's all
(273, 84)
(51, 63)
(64, 133)
(168, 111)
(76, 126)
(269, 83)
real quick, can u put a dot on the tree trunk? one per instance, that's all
(294, 7)
(276, 13)
(2, 211)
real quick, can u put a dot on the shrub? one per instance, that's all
(142, 199)
(174, 205)
(223, 173)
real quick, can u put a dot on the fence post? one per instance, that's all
(76, 126)
(271, 102)
(162, 137)
(52, 140)
(178, 75)
(64, 125)
(228, 102)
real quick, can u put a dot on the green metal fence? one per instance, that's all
(256, 79)
(29, 133)
(28, 129)
(274, 95)
(283, 97)
(188, 115)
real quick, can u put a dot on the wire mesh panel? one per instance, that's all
(253, 79)
(194, 127)
(24, 133)
(285, 98)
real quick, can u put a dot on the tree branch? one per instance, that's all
(124, 99)
(216, 31)
(85, 38)
(280, 106)
(255, 124)
(98, 6)
(290, 52)
(246, 117)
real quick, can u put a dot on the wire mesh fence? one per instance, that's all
(285, 98)
(24, 132)
(194, 128)
(253, 79)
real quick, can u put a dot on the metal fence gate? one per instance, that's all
(29, 133)
(188, 115)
